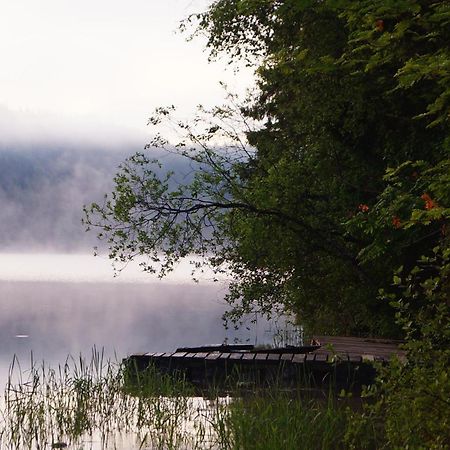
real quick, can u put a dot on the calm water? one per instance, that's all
(55, 305)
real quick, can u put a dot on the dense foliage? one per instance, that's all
(288, 193)
(411, 399)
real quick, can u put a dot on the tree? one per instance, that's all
(345, 91)
(410, 400)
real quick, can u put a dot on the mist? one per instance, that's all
(68, 318)
(43, 189)
(78, 94)
(55, 297)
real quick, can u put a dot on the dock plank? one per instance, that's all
(354, 358)
(210, 366)
(379, 348)
(299, 359)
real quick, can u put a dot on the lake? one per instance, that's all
(55, 305)
(59, 304)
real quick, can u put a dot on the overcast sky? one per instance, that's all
(69, 66)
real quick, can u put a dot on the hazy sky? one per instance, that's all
(101, 64)
(78, 79)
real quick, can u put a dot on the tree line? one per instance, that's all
(324, 188)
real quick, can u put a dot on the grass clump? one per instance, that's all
(91, 399)
(146, 409)
(281, 420)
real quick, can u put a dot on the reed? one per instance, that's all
(281, 420)
(83, 399)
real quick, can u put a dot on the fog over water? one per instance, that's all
(79, 83)
(43, 190)
(54, 319)
(56, 298)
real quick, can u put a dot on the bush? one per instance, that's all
(412, 406)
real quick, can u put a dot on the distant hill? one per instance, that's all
(43, 190)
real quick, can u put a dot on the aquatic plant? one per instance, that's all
(97, 403)
(85, 400)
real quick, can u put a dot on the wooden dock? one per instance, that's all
(364, 349)
(339, 362)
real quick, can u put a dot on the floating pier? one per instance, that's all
(337, 362)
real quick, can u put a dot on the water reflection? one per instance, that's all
(47, 321)
(54, 319)
(94, 404)
(52, 306)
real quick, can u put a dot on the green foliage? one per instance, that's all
(282, 421)
(410, 216)
(296, 188)
(341, 103)
(410, 39)
(416, 394)
(412, 404)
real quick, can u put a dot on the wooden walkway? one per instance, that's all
(367, 349)
(339, 362)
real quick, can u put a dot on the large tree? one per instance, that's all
(345, 90)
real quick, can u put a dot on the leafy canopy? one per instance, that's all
(288, 193)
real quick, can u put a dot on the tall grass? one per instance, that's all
(280, 420)
(82, 400)
(44, 406)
